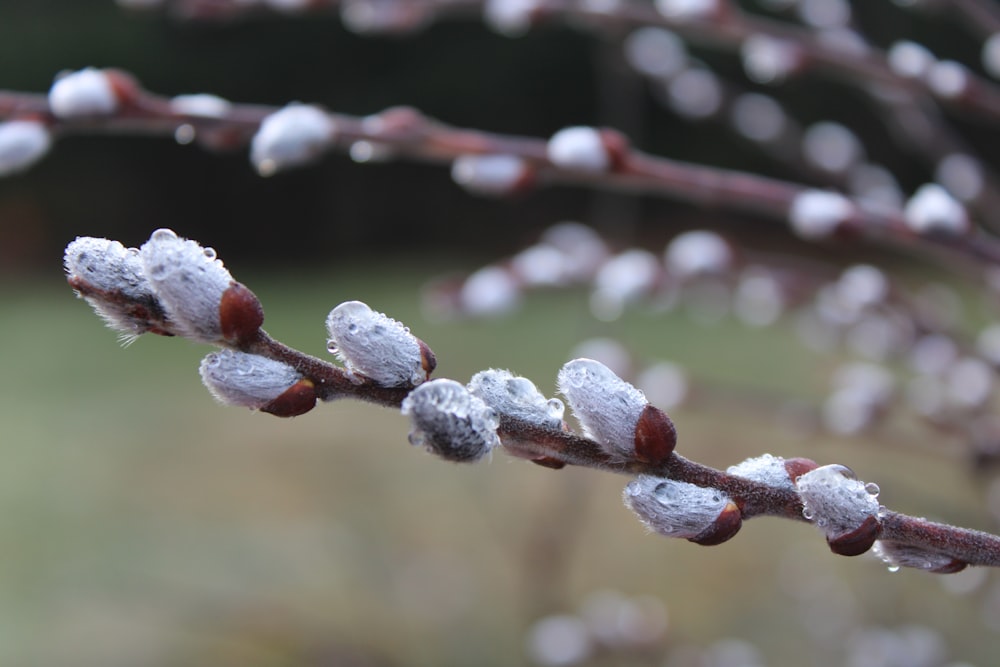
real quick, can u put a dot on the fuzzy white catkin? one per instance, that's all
(606, 406)
(683, 10)
(948, 78)
(767, 60)
(201, 104)
(767, 469)
(988, 344)
(672, 508)
(489, 292)
(759, 299)
(22, 144)
(655, 52)
(374, 345)
(991, 55)
(87, 92)
(862, 286)
(910, 59)
(831, 147)
(628, 275)
(835, 500)
(962, 175)
(511, 18)
(290, 137)
(560, 640)
(449, 421)
(488, 174)
(932, 209)
(516, 397)
(540, 265)
(246, 380)
(107, 265)
(758, 117)
(897, 555)
(695, 93)
(578, 148)
(696, 253)
(816, 214)
(110, 267)
(189, 281)
(583, 249)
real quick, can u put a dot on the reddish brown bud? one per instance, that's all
(951, 567)
(549, 462)
(240, 313)
(655, 436)
(859, 540)
(725, 526)
(297, 400)
(617, 147)
(125, 86)
(428, 361)
(799, 466)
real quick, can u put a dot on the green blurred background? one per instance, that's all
(142, 524)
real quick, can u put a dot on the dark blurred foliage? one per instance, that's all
(456, 71)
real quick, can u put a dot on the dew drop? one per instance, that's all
(845, 471)
(416, 438)
(872, 488)
(352, 327)
(210, 253)
(893, 568)
(163, 235)
(808, 513)
(555, 408)
(331, 346)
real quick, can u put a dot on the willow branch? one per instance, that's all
(605, 161)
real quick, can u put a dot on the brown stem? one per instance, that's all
(973, 547)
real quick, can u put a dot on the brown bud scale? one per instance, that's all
(617, 147)
(859, 540)
(655, 436)
(725, 526)
(951, 567)
(428, 360)
(796, 467)
(549, 462)
(240, 313)
(297, 400)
